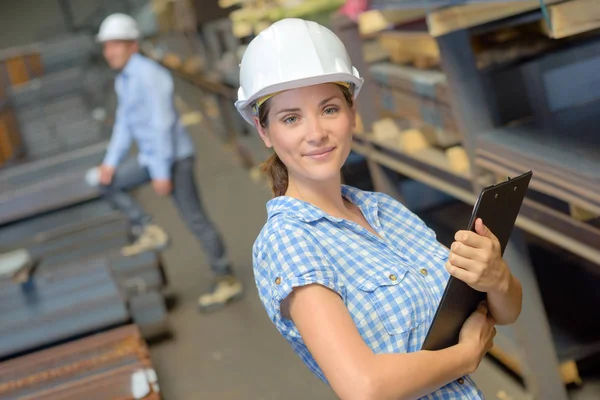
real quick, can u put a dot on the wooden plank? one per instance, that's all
(573, 17)
(373, 21)
(435, 119)
(450, 19)
(568, 369)
(17, 70)
(418, 48)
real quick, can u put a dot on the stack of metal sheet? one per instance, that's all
(79, 234)
(48, 184)
(58, 304)
(111, 365)
(67, 51)
(54, 113)
(563, 151)
(80, 282)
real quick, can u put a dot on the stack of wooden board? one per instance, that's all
(115, 364)
(563, 151)
(418, 96)
(412, 92)
(418, 103)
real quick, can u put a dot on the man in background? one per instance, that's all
(146, 114)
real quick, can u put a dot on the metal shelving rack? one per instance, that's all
(539, 353)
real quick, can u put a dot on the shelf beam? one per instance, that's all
(468, 96)
(541, 365)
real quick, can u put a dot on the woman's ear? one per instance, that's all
(353, 113)
(262, 132)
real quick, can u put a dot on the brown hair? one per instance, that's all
(273, 167)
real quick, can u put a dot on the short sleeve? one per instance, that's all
(286, 260)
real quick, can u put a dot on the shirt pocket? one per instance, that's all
(397, 300)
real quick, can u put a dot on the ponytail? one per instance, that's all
(277, 173)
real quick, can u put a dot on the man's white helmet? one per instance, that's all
(118, 27)
(292, 53)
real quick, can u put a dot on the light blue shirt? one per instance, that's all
(391, 285)
(146, 113)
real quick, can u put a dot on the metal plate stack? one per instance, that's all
(564, 152)
(48, 184)
(67, 51)
(115, 364)
(54, 113)
(80, 282)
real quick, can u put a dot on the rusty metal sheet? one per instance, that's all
(97, 367)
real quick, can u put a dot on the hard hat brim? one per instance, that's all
(106, 38)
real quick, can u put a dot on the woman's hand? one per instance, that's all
(477, 334)
(475, 258)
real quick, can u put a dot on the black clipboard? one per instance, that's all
(498, 206)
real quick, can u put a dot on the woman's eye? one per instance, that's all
(290, 120)
(330, 110)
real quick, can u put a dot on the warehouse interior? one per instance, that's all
(458, 95)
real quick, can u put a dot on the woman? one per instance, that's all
(350, 278)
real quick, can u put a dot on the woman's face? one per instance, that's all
(310, 129)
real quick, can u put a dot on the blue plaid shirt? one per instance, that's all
(391, 286)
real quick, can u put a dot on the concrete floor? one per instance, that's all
(237, 353)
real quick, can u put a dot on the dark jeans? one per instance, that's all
(185, 196)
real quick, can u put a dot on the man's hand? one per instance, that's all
(475, 258)
(162, 187)
(106, 174)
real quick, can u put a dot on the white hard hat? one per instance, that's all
(118, 27)
(289, 54)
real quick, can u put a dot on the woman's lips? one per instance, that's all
(320, 153)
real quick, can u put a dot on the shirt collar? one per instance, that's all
(306, 212)
(131, 64)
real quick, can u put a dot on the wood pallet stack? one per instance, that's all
(254, 16)
(412, 93)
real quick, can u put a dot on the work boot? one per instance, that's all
(153, 237)
(226, 289)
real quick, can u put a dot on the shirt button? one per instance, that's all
(277, 280)
(460, 381)
(423, 271)
(393, 277)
